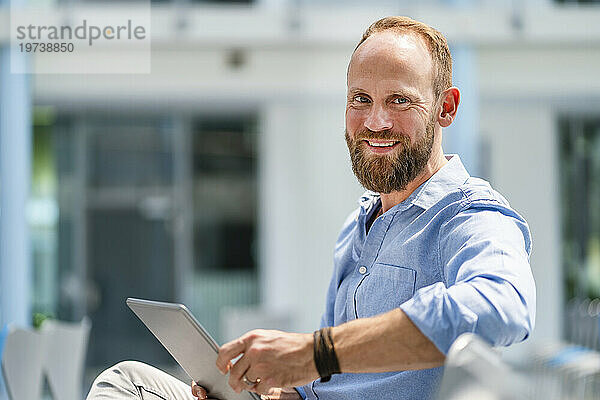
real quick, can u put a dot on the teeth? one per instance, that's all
(381, 144)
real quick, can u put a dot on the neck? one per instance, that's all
(436, 161)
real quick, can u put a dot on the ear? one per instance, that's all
(449, 100)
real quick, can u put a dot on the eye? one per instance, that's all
(361, 99)
(400, 100)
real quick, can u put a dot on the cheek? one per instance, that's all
(354, 120)
(410, 123)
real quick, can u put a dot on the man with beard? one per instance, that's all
(430, 253)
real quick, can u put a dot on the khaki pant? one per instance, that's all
(136, 380)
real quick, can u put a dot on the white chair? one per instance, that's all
(65, 357)
(474, 370)
(22, 361)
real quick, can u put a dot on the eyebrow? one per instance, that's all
(402, 92)
(356, 90)
(406, 92)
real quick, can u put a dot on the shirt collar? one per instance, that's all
(367, 201)
(449, 177)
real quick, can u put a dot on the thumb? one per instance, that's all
(198, 391)
(272, 394)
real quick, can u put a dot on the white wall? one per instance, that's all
(307, 190)
(522, 138)
(525, 88)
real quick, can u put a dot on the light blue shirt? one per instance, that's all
(453, 256)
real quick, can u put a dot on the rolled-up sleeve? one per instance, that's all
(488, 286)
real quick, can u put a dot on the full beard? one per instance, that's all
(386, 173)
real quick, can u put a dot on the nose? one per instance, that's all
(378, 119)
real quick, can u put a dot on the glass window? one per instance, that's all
(43, 216)
(115, 178)
(120, 185)
(130, 152)
(225, 208)
(224, 194)
(580, 195)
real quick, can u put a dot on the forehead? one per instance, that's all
(391, 56)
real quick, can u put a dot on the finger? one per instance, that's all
(236, 374)
(198, 391)
(272, 394)
(261, 388)
(228, 352)
(285, 394)
(281, 396)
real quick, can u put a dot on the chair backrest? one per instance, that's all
(65, 357)
(474, 370)
(22, 360)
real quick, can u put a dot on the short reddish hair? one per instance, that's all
(436, 43)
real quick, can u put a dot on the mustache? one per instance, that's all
(387, 134)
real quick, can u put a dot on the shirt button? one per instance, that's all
(362, 269)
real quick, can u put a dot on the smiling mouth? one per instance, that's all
(381, 143)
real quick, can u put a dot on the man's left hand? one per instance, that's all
(269, 359)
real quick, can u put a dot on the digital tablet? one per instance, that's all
(189, 344)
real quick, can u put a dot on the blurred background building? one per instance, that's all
(221, 178)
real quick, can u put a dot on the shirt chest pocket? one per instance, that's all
(383, 288)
